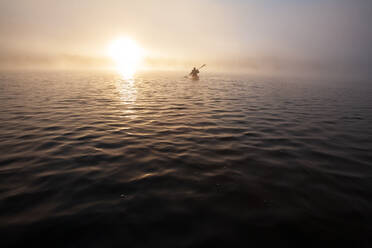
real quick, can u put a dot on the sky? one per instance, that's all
(253, 36)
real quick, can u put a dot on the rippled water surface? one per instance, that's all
(93, 160)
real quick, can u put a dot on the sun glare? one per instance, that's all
(127, 56)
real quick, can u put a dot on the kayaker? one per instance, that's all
(194, 72)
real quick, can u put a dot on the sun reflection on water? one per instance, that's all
(127, 90)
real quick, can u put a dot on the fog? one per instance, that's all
(319, 37)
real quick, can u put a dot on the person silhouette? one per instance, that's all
(194, 72)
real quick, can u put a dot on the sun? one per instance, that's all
(127, 55)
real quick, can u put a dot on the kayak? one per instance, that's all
(193, 75)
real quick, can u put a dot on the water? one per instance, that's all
(93, 160)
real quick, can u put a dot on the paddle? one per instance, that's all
(198, 69)
(201, 66)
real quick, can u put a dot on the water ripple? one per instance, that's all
(162, 161)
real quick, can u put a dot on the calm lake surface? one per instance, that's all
(94, 160)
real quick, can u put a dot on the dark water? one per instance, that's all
(92, 160)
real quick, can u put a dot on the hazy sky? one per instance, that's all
(317, 35)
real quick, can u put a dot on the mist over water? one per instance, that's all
(319, 37)
(94, 160)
